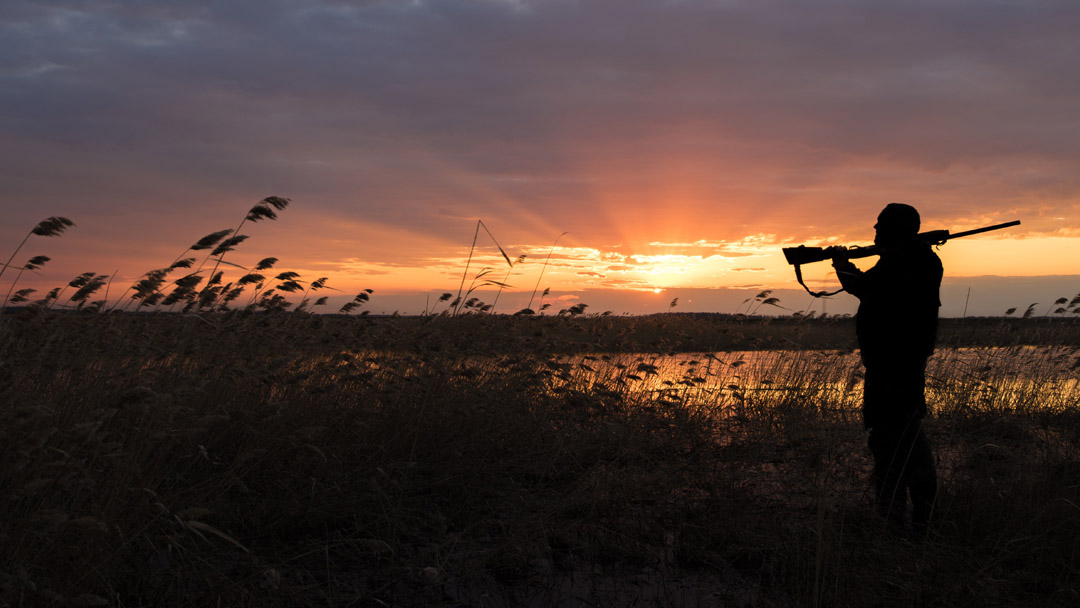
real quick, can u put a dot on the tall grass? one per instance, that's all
(465, 459)
(198, 290)
(463, 301)
(52, 226)
(264, 209)
(201, 290)
(195, 460)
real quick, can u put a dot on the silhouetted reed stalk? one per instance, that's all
(264, 209)
(502, 285)
(148, 288)
(458, 301)
(259, 280)
(542, 269)
(543, 294)
(52, 226)
(105, 296)
(361, 298)
(314, 286)
(151, 282)
(288, 282)
(183, 291)
(468, 262)
(761, 299)
(156, 462)
(86, 285)
(445, 297)
(33, 263)
(737, 474)
(476, 302)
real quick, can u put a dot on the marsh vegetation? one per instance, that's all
(262, 458)
(204, 440)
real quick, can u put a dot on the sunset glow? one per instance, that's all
(679, 146)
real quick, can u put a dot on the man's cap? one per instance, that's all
(900, 219)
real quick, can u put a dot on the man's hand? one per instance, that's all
(837, 253)
(840, 261)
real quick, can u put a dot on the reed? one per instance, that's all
(463, 300)
(263, 210)
(32, 264)
(547, 260)
(189, 460)
(246, 457)
(53, 226)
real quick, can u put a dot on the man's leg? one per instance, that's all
(903, 463)
(891, 493)
(893, 404)
(921, 477)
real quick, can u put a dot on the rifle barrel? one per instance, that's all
(984, 229)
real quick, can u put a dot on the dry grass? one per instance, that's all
(294, 460)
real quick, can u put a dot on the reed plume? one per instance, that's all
(21, 295)
(184, 290)
(1058, 302)
(52, 226)
(258, 279)
(77, 283)
(265, 263)
(360, 299)
(443, 298)
(33, 263)
(263, 210)
(209, 240)
(315, 285)
(146, 288)
(92, 283)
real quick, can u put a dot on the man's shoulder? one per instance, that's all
(920, 251)
(914, 259)
(931, 256)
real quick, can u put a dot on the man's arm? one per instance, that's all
(851, 278)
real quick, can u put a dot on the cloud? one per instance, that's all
(686, 125)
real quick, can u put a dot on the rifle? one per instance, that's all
(797, 256)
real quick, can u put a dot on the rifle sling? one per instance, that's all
(816, 294)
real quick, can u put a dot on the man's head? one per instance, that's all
(896, 223)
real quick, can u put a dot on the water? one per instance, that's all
(1010, 378)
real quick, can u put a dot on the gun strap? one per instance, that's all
(816, 294)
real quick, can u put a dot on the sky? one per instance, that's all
(634, 151)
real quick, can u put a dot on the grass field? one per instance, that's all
(264, 459)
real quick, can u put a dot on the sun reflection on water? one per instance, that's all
(1011, 378)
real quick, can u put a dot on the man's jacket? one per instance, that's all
(898, 304)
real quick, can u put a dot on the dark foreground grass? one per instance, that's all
(261, 460)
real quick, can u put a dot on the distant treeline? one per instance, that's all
(480, 335)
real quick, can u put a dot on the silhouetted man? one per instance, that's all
(896, 326)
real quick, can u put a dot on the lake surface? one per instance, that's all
(1007, 378)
